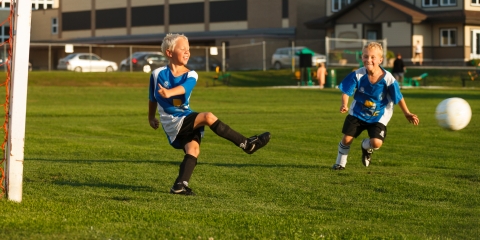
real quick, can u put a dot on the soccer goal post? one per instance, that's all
(20, 25)
(348, 52)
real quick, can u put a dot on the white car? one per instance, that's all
(86, 62)
(282, 58)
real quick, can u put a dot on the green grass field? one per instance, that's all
(94, 169)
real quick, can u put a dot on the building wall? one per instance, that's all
(402, 32)
(41, 28)
(257, 17)
(75, 5)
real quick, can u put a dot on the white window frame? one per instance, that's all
(475, 47)
(54, 25)
(430, 3)
(448, 3)
(337, 4)
(2, 4)
(451, 41)
(475, 2)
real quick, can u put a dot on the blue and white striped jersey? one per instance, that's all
(172, 110)
(371, 102)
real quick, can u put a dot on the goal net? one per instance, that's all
(348, 52)
(15, 62)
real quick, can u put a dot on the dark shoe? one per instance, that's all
(182, 189)
(338, 167)
(256, 142)
(366, 156)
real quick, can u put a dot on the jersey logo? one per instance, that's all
(177, 102)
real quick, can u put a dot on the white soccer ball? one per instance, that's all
(453, 113)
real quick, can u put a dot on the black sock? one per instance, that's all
(224, 131)
(186, 168)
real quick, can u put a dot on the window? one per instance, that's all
(448, 37)
(337, 5)
(430, 3)
(40, 6)
(448, 2)
(5, 31)
(54, 25)
(476, 2)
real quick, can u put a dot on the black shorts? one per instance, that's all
(187, 133)
(354, 127)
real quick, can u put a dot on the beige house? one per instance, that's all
(448, 30)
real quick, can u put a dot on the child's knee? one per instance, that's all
(210, 117)
(376, 143)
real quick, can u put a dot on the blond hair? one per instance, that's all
(374, 45)
(170, 40)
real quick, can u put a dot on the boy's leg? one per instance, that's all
(224, 131)
(191, 143)
(351, 129)
(185, 172)
(377, 133)
(249, 145)
(343, 150)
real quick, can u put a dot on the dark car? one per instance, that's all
(144, 61)
(198, 63)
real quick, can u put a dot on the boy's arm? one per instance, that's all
(152, 108)
(167, 93)
(344, 107)
(412, 118)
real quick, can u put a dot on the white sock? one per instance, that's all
(342, 154)
(366, 144)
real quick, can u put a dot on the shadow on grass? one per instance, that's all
(105, 185)
(160, 162)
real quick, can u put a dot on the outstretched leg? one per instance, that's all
(249, 145)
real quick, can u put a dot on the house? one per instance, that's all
(448, 30)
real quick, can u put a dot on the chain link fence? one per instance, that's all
(241, 54)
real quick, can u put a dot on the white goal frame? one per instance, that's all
(14, 149)
(339, 45)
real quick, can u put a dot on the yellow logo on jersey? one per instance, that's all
(369, 104)
(177, 102)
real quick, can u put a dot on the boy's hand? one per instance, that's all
(154, 123)
(343, 109)
(163, 91)
(412, 118)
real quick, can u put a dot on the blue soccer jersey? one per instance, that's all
(371, 102)
(172, 110)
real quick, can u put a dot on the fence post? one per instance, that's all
(264, 57)
(293, 56)
(223, 57)
(130, 63)
(207, 62)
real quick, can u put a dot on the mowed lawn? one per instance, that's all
(94, 169)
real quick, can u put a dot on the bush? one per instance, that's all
(475, 62)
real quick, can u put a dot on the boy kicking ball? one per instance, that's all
(374, 91)
(169, 93)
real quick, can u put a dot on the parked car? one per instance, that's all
(86, 62)
(2, 64)
(282, 58)
(198, 63)
(143, 61)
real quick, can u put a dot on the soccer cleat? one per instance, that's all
(182, 188)
(256, 142)
(366, 156)
(338, 167)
